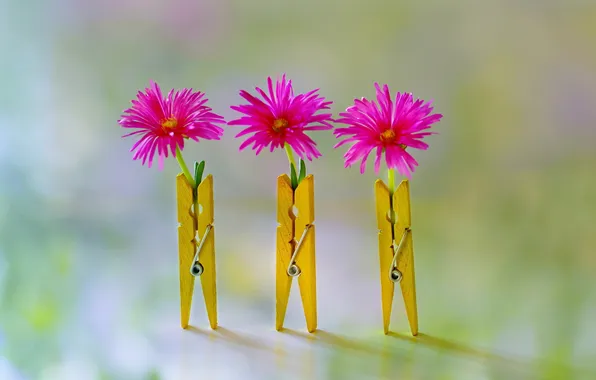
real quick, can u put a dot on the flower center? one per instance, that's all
(279, 124)
(169, 123)
(388, 136)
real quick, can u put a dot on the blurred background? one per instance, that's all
(503, 202)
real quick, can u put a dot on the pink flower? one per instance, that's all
(164, 123)
(388, 127)
(282, 118)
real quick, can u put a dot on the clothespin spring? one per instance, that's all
(293, 269)
(196, 268)
(394, 274)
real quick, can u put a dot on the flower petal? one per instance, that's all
(299, 113)
(191, 119)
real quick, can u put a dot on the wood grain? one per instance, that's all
(186, 246)
(207, 254)
(284, 248)
(383, 206)
(405, 260)
(305, 203)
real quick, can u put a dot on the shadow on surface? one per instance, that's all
(382, 347)
(526, 365)
(449, 346)
(487, 357)
(225, 335)
(337, 341)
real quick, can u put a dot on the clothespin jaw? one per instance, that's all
(196, 246)
(295, 253)
(396, 252)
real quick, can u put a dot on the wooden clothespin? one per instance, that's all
(196, 246)
(396, 250)
(296, 258)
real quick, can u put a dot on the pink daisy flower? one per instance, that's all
(282, 118)
(164, 122)
(387, 127)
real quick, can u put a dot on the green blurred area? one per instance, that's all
(503, 210)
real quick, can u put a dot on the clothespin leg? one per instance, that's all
(383, 206)
(284, 248)
(405, 260)
(186, 246)
(305, 259)
(207, 254)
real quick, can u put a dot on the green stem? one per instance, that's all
(184, 168)
(391, 178)
(290, 155)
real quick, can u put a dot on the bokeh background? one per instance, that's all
(503, 207)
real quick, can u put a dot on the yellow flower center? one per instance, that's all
(388, 136)
(169, 123)
(279, 124)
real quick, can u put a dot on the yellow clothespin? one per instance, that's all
(196, 246)
(396, 250)
(296, 258)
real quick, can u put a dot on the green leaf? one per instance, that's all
(199, 169)
(194, 190)
(302, 171)
(196, 172)
(293, 178)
